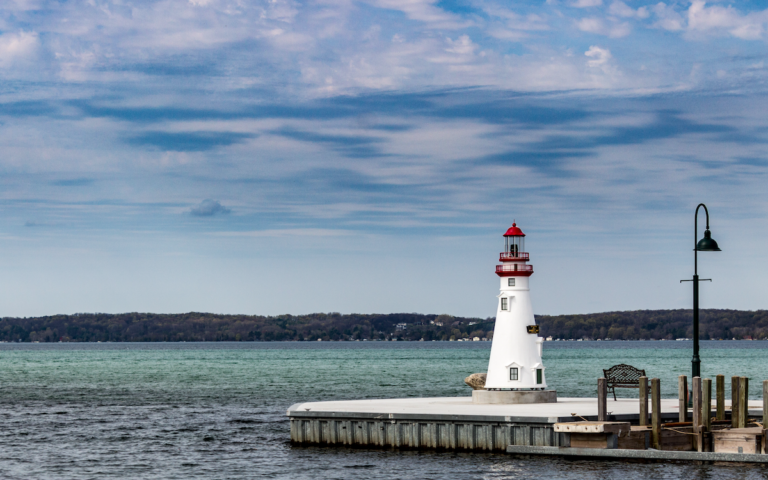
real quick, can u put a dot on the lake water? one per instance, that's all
(217, 410)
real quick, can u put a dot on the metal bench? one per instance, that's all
(622, 376)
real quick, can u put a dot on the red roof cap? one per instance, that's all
(514, 231)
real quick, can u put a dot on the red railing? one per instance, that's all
(513, 257)
(514, 268)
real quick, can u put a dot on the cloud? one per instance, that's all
(586, 3)
(601, 27)
(461, 46)
(509, 25)
(667, 18)
(209, 208)
(621, 9)
(21, 5)
(17, 47)
(306, 50)
(717, 19)
(599, 57)
(424, 11)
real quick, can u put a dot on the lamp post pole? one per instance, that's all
(696, 361)
(706, 244)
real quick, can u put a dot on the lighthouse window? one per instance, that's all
(511, 282)
(504, 303)
(539, 376)
(513, 373)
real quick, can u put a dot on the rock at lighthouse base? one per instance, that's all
(476, 381)
(513, 396)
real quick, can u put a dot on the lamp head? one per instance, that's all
(707, 244)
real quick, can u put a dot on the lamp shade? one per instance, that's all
(707, 244)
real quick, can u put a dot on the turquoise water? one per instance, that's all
(217, 410)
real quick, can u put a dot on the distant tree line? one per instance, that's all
(208, 327)
(657, 324)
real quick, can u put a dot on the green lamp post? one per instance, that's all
(706, 244)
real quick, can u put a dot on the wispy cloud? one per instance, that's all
(209, 208)
(611, 29)
(319, 50)
(20, 47)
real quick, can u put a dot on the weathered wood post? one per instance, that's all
(720, 394)
(656, 413)
(743, 401)
(682, 395)
(696, 404)
(643, 400)
(706, 403)
(765, 403)
(706, 410)
(602, 400)
(734, 402)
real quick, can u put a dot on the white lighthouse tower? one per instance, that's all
(515, 370)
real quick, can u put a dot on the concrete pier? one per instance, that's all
(509, 397)
(451, 423)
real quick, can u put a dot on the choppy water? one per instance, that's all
(217, 410)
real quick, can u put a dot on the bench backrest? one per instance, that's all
(623, 375)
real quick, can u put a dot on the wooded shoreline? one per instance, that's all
(193, 326)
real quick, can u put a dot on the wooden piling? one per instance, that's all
(706, 403)
(696, 413)
(602, 400)
(696, 394)
(720, 394)
(644, 400)
(682, 395)
(743, 401)
(734, 402)
(656, 413)
(706, 414)
(765, 403)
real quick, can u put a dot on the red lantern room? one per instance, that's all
(514, 256)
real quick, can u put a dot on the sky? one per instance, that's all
(272, 157)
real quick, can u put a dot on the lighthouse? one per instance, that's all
(516, 373)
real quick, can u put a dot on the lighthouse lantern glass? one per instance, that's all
(516, 245)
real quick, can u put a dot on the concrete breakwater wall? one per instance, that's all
(450, 423)
(491, 434)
